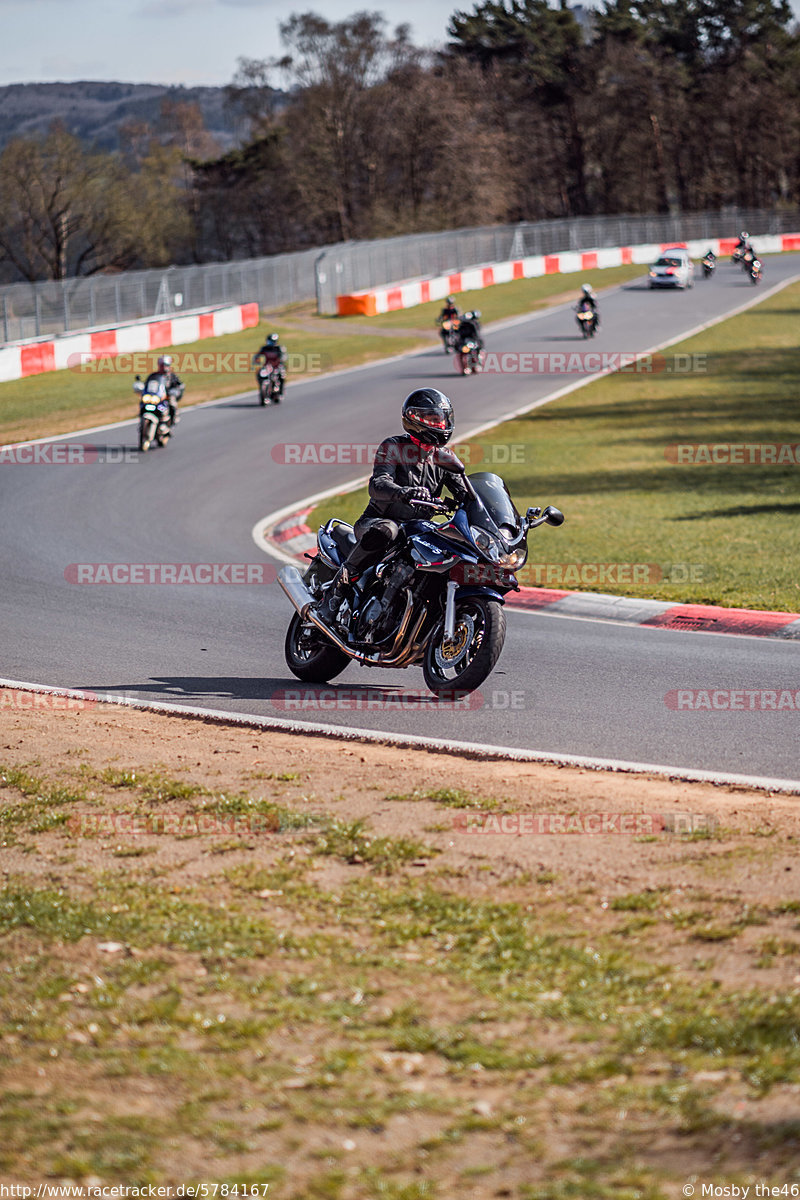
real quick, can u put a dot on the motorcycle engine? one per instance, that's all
(380, 614)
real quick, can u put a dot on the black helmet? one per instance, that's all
(273, 339)
(428, 416)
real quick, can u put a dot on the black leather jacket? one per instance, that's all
(401, 463)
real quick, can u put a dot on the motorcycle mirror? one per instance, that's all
(448, 461)
(553, 516)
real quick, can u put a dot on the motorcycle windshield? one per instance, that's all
(494, 496)
(154, 389)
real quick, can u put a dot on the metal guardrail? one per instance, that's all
(46, 309)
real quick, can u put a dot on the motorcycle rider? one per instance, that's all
(449, 313)
(470, 329)
(404, 470)
(588, 300)
(170, 386)
(274, 355)
(742, 247)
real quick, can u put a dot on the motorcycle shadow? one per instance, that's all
(358, 697)
(177, 688)
(288, 695)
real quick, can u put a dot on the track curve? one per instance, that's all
(562, 685)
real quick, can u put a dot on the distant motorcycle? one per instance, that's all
(753, 267)
(708, 263)
(155, 417)
(586, 316)
(269, 384)
(470, 358)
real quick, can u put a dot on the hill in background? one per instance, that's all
(95, 112)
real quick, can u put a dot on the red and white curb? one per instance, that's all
(289, 538)
(21, 359)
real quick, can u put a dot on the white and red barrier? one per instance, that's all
(32, 358)
(393, 296)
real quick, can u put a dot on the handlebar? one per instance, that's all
(436, 505)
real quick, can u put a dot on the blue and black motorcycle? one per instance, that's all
(436, 598)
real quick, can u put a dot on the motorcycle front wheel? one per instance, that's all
(470, 658)
(309, 654)
(145, 436)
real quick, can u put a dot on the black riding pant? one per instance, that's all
(375, 536)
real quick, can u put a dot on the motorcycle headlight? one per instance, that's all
(487, 543)
(516, 559)
(496, 552)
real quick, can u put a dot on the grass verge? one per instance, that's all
(722, 533)
(331, 1007)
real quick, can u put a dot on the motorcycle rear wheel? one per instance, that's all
(479, 636)
(309, 655)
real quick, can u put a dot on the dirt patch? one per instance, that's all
(349, 970)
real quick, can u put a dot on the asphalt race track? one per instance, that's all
(562, 685)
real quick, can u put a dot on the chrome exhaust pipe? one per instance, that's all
(291, 581)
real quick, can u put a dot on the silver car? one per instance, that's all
(674, 268)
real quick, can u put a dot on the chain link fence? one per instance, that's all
(47, 309)
(355, 266)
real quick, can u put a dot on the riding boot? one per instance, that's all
(336, 593)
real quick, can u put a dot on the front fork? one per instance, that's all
(450, 611)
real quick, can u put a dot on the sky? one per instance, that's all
(173, 41)
(187, 42)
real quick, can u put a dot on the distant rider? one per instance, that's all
(170, 387)
(403, 470)
(742, 247)
(450, 314)
(274, 355)
(588, 300)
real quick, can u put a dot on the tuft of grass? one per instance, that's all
(150, 784)
(144, 917)
(39, 811)
(637, 902)
(350, 841)
(449, 797)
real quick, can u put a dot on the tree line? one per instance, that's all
(530, 111)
